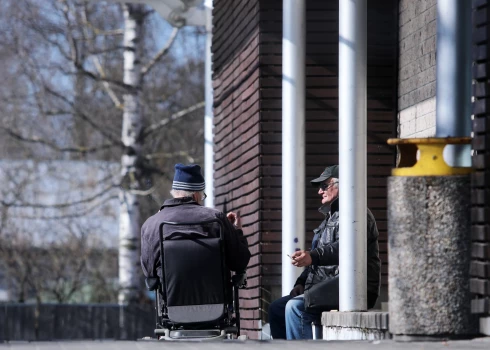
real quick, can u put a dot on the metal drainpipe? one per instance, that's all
(453, 91)
(208, 118)
(293, 137)
(352, 155)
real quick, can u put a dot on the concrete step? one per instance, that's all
(370, 325)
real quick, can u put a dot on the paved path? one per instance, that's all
(480, 343)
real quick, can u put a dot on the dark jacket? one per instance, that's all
(186, 209)
(325, 252)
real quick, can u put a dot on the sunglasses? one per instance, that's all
(324, 186)
(204, 196)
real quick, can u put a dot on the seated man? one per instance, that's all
(186, 206)
(287, 315)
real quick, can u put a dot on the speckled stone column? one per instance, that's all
(429, 256)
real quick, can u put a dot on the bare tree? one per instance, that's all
(50, 249)
(95, 81)
(61, 272)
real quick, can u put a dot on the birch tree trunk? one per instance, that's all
(129, 223)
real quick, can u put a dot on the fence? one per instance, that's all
(78, 321)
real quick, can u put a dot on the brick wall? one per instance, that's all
(480, 181)
(237, 160)
(247, 81)
(417, 68)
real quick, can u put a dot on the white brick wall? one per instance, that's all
(417, 68)
(418, 120)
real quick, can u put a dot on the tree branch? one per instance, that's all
(142, 193)
(106, 85)
(170, 155)
(71, 40)
(154, 127)
(78, 214)
(98, 78)
(98, 66)
(53, 146)
(161, 53)
(59, 205)
(84, 117)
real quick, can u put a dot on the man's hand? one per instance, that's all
(301, 258)
(297, 290)
(234, 218)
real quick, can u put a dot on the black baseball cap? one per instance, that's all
(330, 171)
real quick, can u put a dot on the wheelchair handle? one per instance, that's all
(192, 223)
(239, 280)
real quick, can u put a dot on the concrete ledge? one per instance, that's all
(485, 325)
(371, 319)
(355, 325)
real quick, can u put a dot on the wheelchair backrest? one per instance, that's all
(194, 275)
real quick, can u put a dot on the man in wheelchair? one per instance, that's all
(187, 252)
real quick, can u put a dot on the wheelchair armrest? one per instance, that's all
(239, 280)
(152, 283)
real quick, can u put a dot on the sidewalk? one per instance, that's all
(479, 343)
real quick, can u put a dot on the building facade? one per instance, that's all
(401, 90)
(247, 79)
(480, 182)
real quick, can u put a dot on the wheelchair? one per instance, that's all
(196, 298)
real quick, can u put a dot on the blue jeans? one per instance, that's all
(289, 320)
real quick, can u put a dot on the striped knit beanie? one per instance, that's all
(188, 178)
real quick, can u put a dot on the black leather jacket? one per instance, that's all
(187, 210)
(325, 252)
